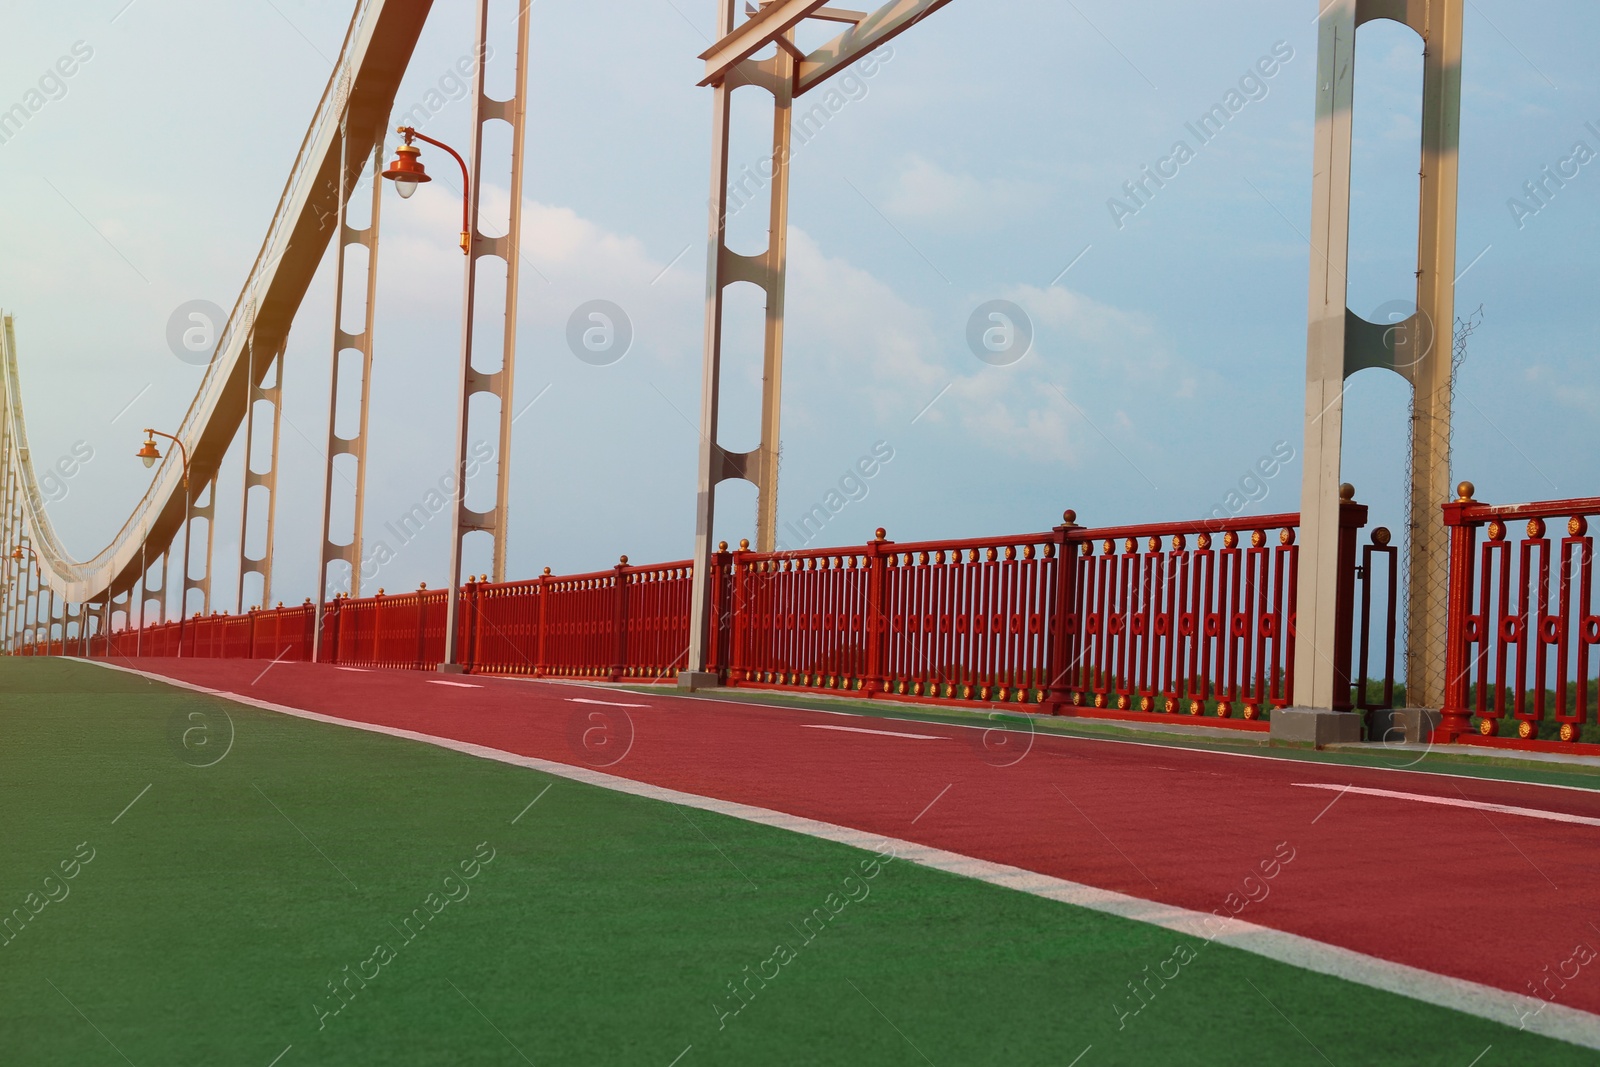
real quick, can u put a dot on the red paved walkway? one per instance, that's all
(1494, 898)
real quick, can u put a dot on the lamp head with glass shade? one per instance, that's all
(406, 170)
(149, 453)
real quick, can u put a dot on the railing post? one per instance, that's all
(1063, 619)
(741, 610)
(718, 657)
(330, 624)
(474, 627)
(877, 679)
(377, 629)
(619, 665)
(540, 664)
(1352, 517)
(420, 663)
(1455, 717)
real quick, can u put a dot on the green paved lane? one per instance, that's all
(338, 897)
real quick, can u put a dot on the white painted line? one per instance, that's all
(458, 685)
(880, 733)
(353, 670)
(1449, 802)
(607, 703)
(1548, 1019)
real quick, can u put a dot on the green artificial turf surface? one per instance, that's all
(218, 908)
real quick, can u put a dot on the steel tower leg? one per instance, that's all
(1339, 343)
(156, 593)
(8, 537)
(768, 270)
(268, 479)
(1432, 375)
(208, 512)
(30, 603)
(123, 602)
(498, 384)
(361, 344)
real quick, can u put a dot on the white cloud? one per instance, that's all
(873, 340)
(892, 355)
(885, 358)
(927, 193)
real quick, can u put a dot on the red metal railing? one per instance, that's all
(1125, 622)
(1185, 619)
(1522, 627)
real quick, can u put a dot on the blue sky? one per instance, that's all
(976, 163)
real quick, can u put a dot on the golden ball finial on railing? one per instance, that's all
(744, 544)
(1069, 517)
(623, 561)
(1347, 492)
(1464, 492)
(1380, 537)
(880, 534)
(722, 546)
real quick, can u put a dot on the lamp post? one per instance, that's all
(407, 172)
(149, 453)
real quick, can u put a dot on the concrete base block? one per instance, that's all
(1414, 725)
(1381, 726)
(1315, 726)
(452, 668)
(692, 680)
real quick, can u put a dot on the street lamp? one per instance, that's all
(149, 454)
(407, 172)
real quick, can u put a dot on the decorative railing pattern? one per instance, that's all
(1127, 622)
(1522, 622)
(1175, 618)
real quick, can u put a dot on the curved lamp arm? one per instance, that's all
(466, 223)
(182, 452)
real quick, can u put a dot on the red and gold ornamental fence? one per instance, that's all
(1524, 622)
(1129, 622)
